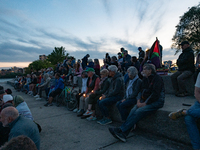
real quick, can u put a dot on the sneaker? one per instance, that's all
(120, 136)
(88, 113)
(48, 104)
(105, 121)
(80, 113)
(75, 110)
(37, 96)
(38, 99)
(91, 118)
(112, 131)
(101, 120)
(175, 115)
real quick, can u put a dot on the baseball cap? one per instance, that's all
(90, 69)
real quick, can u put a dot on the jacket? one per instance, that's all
(59, 84)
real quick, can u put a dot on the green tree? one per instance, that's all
(58, 55)
(188, 29)
(37, 65)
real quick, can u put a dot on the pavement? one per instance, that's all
(62, 129)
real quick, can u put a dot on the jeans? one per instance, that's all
(124, 107)
(26, 87)
(178, 80)
(137, 114)
(104, 103)
(190, 120)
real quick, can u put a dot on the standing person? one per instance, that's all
(114, 93)
(84, 61)
(141, 55)
(57, 90)
(126, 60)
(97, 67)
(185, 63)
(152, 96)
(191, 116)
(135, 62)
(107, 58)
(19, 125)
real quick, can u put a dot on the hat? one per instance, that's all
(7, 98)
(184, 42)
(139, 48)
(2, 90)
(90, 69)
(18, 100)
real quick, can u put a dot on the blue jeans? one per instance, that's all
(190, 120)
(26, 87)
(124, 107)
(137, 114)
(104, 103)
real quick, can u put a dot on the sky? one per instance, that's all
(32, 28)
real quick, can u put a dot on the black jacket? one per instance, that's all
(185, 60)
(104, 87)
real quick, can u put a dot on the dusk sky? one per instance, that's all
(32, 28)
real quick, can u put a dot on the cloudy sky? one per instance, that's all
(31, 28)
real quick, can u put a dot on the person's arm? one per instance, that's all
(96, 87)
(105, 88)
(115, 91)
(136, 89)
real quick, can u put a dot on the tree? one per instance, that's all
(37, 65)
(188, 29)
(58, 55)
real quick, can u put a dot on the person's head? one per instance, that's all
(125, 52)
(8, 115)
(57, 75)
(87, 55)
(8, 91)
(90, 60)
(139, 48)
(132, 72)
(134, 59)
(104, 73)
(46, 75)
(113, 58)
(122, 49)
(112, 70)
(90, 72)
(7, 98)
(17, 100)
(19, 143)
(119, 55)
(84, 74)
(184, 45)
(107, 55)
(96, 61)
(2, 92)
(148, 69)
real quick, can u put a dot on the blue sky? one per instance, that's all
(31, 28)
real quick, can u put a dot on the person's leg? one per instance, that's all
(181, 80)
(124, 107)
(174, 80)
(136, 115)
(86, 103)
(103, 104)
(81, 102)
(193, 131)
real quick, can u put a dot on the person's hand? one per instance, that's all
(139, 104)
(103, 96)
(123, 100)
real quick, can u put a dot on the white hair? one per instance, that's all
(113, 68)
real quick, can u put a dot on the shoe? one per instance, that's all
(75, 110)
(175, 115)
(105, 121)
(37, 96)
(112, 131)
(80, 113)
(101, 120)
(38, 99)
(91, 118)
(120, 136)
(84, 117)
(88, 113)
(48, 104)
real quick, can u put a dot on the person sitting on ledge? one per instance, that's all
(132, 89)
(114, 93)
(57, 90)
(191, 116)
(151, 98)
(186, 68)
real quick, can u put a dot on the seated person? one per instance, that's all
(32, 84)
(103, 86)
(6, 99)
(22, 107)
(92, 85)
(57, 90)
(191, 116)
(84, 77)
(43, 86)
(151, 98)
(132, 89)
(186, 68)
(28, 81)
(19, 125)
(114, 93)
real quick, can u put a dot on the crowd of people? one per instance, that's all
(130, 83)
